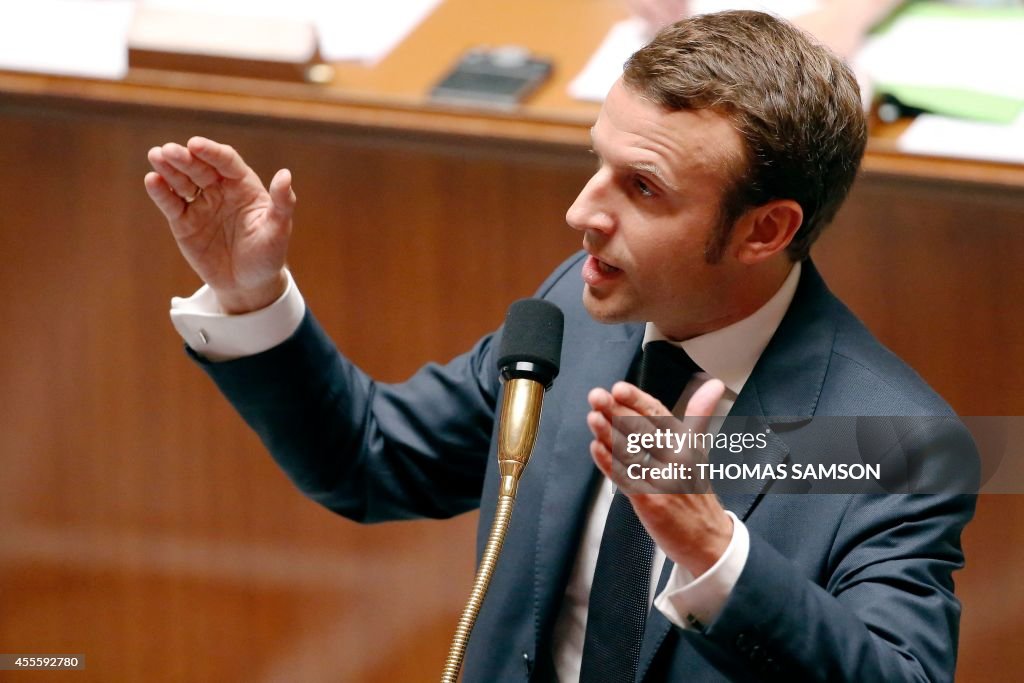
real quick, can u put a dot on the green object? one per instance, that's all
(964, 104)
(956, 101)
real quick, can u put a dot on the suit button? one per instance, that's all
(743, 643)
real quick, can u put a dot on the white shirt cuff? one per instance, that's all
(218, 336)
(694, 603)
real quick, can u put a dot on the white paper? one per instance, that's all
(298, 10)
(368, 31)
(67, 37)
(948, 137)
(280, 39)
(624, 38)
(976, 55)
(628, 36)
(358, 30)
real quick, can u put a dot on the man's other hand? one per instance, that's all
(691, 527)
(230, 228)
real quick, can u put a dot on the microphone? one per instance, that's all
(528, 360)
(531, 344)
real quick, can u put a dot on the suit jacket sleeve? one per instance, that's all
(883, 608)
(367, 450)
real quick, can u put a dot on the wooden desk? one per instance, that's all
(141, 523)
(393, 94)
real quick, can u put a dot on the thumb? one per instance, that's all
(282, 198)
(701, 405)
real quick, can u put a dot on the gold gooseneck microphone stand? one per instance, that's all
(523, 400)
(528, 361)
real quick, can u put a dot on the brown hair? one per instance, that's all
(795, 104)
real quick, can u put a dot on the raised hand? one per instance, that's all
(231, 230)
(683, 518)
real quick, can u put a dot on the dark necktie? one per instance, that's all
(617, 610)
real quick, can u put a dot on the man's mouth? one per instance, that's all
(598, 273)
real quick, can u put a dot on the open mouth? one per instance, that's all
(597, 273)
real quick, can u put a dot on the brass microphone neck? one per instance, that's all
(520, 420)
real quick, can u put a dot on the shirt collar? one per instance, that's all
(730, 353)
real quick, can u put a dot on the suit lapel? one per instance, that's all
(784, 387)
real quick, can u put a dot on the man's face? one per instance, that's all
(649, 215)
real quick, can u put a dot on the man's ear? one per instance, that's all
(766, 230)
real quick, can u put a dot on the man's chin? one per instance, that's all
(606, 308)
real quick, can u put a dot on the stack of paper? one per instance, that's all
(953, 60)
(963, 64)
(90, 37)
(368, 31)
(959, 138)
(348, 30)
(66, 37)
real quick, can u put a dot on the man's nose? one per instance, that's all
(591, 210)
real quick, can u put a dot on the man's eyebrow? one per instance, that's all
(642, 166)
(654, 170)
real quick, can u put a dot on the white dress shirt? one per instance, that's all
(728, 354)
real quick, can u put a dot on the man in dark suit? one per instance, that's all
(727, 146)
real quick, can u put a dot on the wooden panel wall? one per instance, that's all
(142, 525)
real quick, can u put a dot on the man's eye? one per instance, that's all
(643, 188)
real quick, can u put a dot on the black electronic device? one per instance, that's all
(499, 78)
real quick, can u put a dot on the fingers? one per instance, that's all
(178, 181)
(624, 401)
(600, 427)
(610, 453)
(617, 471)
(198, 171)
(169, 203)
(600, 424)
(602, 457)
(642, 403)
(200, 164)
(222, 158)
(648, 415)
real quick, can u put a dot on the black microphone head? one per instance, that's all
(531, 343)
